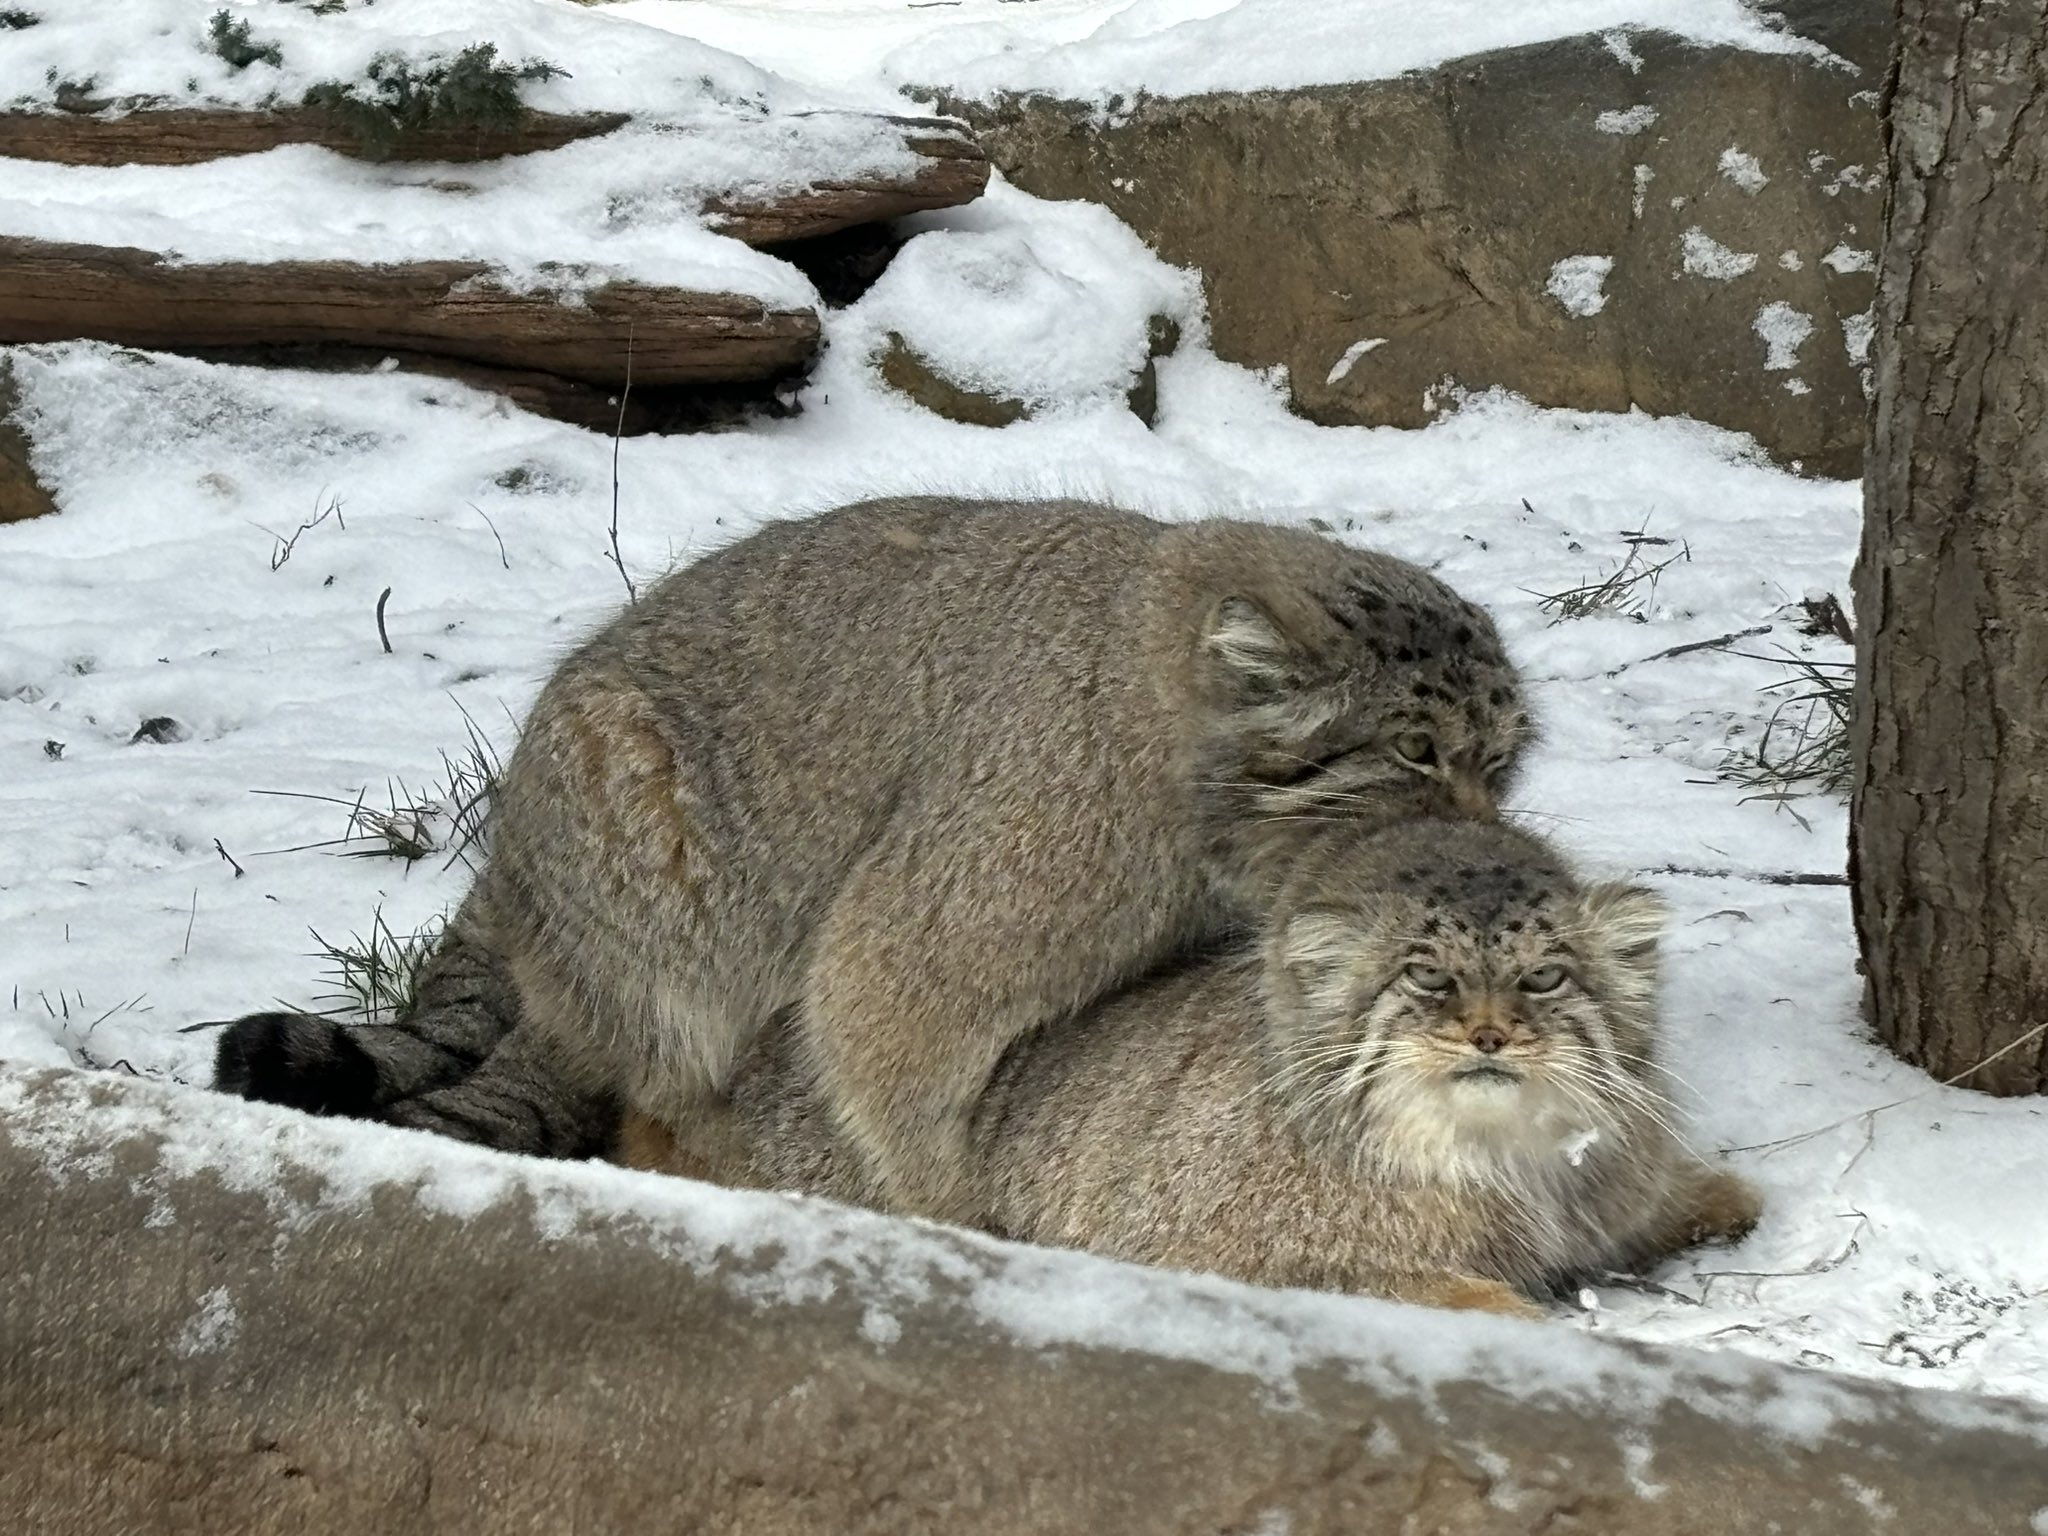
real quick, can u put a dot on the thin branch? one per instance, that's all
(1870, 1114)
(383, 598)
(1698, 645)
(503, 558)
(618, 432)
(1766, 877)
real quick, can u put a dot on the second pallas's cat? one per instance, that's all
(932, 772)
(1434, 1079)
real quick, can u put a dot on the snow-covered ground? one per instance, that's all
(1902, 1237)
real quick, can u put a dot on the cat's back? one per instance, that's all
(895, 577)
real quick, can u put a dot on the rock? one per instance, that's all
(949, 168)
(161, 729)
(233, 1318)
(908, 374)
(22, 495)
(109, 133)
(1684, 230)
(448, 309)
(1162, 339)
(961, 319)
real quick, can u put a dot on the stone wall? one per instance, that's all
(219, 1317)
(1379, 239)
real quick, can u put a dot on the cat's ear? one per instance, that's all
(1318, 952)
(1253, 648)
(1627, 921)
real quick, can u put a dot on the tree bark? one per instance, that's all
(1949, 820)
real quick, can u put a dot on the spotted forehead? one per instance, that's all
(1446, 646)
(1480, 896)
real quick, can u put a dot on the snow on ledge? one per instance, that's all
(793, 1251)
(1174, 48)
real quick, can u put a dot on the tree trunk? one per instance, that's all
(1948, 848)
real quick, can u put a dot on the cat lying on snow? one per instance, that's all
(1431, 1077)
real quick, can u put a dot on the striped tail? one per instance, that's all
(455, 1064)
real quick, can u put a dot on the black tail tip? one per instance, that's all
(296, 1060)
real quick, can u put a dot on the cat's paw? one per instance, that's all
(1722, 1208)
(1472, 1293)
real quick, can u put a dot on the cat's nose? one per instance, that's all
(1488, 1038)
(1473, 799)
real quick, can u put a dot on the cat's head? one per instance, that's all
(1349, 684)
(1447, 997)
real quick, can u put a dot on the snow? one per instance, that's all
(1743, 169)
(1901, 1238)
(1341, 369)
(618, 207)
(1578, 283)
(1857, 334)
(1053, 314)
(212, 1327)
(1845, 258)
(1783, 331)
(1100, 50)
(1704, 256)
(1626, 120)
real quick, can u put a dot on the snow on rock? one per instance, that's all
(1099, 50)
(1617, 44)
(1351, 355)
(785, 1251)
(1052, 314)
(1626, 120)
(1783, 331)
(213, 1326)
(1578, 283)
(1845, 258)
(621, 206)
(1704, 256)
(1857, 333)
(160, 52)
(1743, 169)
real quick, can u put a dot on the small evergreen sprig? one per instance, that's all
(233, 44)
(398, 96)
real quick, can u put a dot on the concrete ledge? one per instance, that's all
(222, 1317)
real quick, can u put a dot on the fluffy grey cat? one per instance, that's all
(1432, 1077)
(934, 773)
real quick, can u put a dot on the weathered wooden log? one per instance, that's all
(56, 292)
(951, 168)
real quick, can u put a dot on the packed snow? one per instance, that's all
(227, 535)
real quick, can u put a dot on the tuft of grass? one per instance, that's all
(1628, 590)
(469, 777)
(449, 816)
(374, 977)
(1804, 748)
(235, 47)
(12, 20)
(398, 96)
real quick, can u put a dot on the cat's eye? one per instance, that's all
(1430, 978)
(1543, 978)
(1416, 747)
